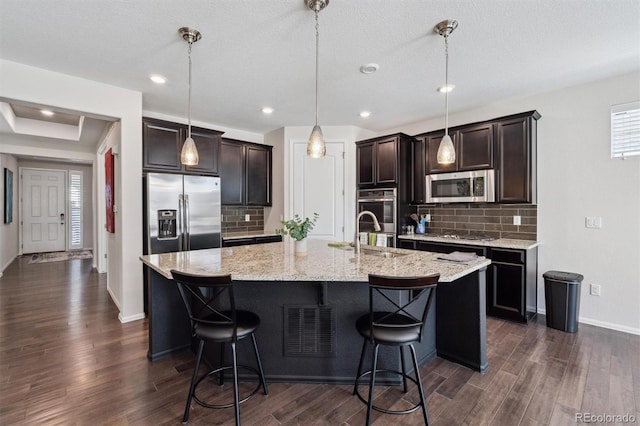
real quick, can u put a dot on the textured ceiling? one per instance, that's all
(256, 53)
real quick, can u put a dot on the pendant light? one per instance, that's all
(316, 147)
(189, 154)
(446, 150)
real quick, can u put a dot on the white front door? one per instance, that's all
(43, 210)
(318, 187)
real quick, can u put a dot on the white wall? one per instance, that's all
(8, 232)
(38, 86)
(274, 214)
(577, 178)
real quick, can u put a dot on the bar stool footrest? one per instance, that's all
(219, 370)
(384, 410)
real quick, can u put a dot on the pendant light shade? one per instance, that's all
(316, 146)
(446, 150)
(189, 154)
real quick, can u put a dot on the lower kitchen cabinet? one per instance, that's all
(512, 277)
(512, 284)
(234, 242)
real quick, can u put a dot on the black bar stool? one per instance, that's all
(214, 318)
(392, 324)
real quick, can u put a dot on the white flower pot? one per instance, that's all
(301, 247)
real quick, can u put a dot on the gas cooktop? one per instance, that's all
(470, 237)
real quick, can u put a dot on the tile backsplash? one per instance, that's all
(495, 220)
(234, 223)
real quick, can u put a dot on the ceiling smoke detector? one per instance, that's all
(369, 68)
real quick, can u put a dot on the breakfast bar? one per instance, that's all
(308, 305)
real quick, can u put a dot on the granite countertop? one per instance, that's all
(498, 243)
(276, 262)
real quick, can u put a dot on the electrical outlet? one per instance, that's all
(516, 220)
(427, 217)
(247, 217)
(594, 289)
(593, 222)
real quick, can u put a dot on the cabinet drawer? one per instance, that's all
(508, 256)
(269, 239)
(448, 248)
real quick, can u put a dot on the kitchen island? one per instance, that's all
(308, 305)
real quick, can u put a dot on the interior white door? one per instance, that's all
(317, 186)
(43, 210)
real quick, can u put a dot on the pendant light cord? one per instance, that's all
(317, 62)
(189, 111)
(446, 85)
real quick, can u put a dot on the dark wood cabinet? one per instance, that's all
(512, 277)
(512, 284)
(232, 172)
(258, 175)
(387, 161)
(418, 164)
(365, 164)
(516, 158)
(473, 145)
(162, 144)
(245, 173)
(234, 242)
(379, 161)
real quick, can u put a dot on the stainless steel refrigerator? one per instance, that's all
(182, 212)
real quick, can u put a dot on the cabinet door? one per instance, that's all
(505, 291)
(475, 147)
(258, 175)
(208, 145)
(514, 171)
(418, 170)
(433, 143)
(406, 244)
(231, 170)
(449, 248)
(365, 164)
(162, 142)
(386, 162)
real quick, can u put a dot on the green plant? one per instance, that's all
(297, 228)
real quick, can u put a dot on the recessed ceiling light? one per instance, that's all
(267, 110)
(365, 114)
(158, 79)
(369, 68)
(46, 112)
(446, 89)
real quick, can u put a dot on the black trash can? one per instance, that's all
(562, 299)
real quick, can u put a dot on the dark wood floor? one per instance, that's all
(66, 359)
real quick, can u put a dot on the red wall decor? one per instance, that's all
(109, 190)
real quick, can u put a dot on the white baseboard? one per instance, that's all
(116, 301)
(603, 324)
(130, 318)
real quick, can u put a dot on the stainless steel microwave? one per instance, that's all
(461, 187)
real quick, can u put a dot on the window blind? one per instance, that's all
(625, 130)
(75, 209)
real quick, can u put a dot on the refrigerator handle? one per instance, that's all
(186, 222)
(181, 221)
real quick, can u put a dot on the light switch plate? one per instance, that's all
(594, 290)
(516, 220)
(247, 217)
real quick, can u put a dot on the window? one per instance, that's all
(625, 130)
(75, 210)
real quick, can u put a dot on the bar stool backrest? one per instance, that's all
(209, 300)
(401, 312)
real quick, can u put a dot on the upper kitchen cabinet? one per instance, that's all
(418, 166)
(245, 173)
(379, 161)
(516, 158)
(162, 143)
(473, 145)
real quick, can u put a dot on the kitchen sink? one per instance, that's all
(381, 253)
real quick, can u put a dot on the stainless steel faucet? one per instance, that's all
(376, 227)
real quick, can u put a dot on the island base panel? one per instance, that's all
(461, 320)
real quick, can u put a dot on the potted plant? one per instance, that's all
(298, 229)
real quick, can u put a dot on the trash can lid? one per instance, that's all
(563, 276)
